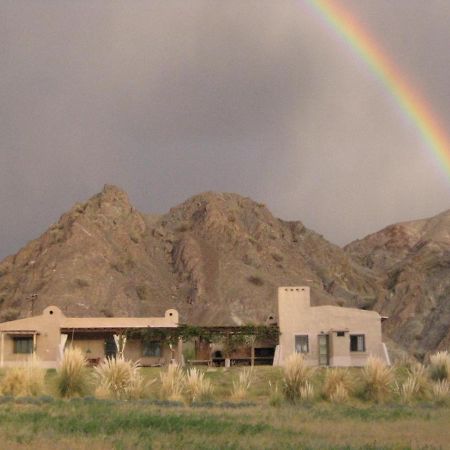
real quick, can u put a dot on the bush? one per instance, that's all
(119, 379)
(377, 379)
(197, 387)
(24, 381)
(440, 391)
(72, 377)
(242, 385)
(172, 383)
(337, 385)
(440, 366)
(296, 379)
(416, 384)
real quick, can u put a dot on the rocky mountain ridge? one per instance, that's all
(218, 258)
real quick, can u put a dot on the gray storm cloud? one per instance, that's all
(171, 98)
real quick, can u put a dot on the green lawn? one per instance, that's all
(88, 423)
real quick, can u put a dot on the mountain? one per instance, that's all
(218, 258)
(414, 260)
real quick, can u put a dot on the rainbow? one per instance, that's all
(409, 99)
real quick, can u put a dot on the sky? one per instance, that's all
(168, 99)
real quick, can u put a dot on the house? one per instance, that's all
(326, 335)
(44, 338)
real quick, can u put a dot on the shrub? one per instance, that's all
(72, 377)
(197, 387)
(242, 385)
(440, 391)
(440, 366)
(416, 384)
(254, 279)
(337, 385)
(24, 381)
(119, 379)
(296, 378)
(172, 383)
(377, 379)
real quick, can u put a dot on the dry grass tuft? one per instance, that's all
(242, 385)
(296, 378)
(377, 379)
(275, 395)
(440, 366)
(119, 379)
(197, 387)
(337, 385)
(172, 383)
(72, 376)
(23, 381)
(440, 391)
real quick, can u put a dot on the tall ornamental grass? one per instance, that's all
(197, 387)
(377, 380)
(297, 379)
(440, 366)
(172, 383)
(23, 381)
(338, 385)
(119, 379)
(241, 385)
(415, 386)
(440, 391)
(72, 377)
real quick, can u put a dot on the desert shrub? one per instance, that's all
(296, 378)
(172, 383)
(337, 385)
(72, 376)
(440, 366)
(416, 384)
(257, 281)
(242, 385)
(197, 387)
(377, 379)
(440, 391)
(23, 381)
(275, 394)
(120, 379)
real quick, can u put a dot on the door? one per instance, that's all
(323, 349)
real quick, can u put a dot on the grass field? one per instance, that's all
(88, 423)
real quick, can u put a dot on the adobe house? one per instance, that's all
(44, 337)
(326, 335)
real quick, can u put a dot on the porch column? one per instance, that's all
(2, 345)
(34, 346)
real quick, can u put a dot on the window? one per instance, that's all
(340, 333)
(301, 343)
(23, 345)
(357, 343)
(152, 348)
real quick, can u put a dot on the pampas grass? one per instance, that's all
(296, 378)
(416, 384)
(197, 387)
(172, 383)
(440, 366)
(23, 381)
(275, 395)
(242, 385)
(72, 377)
(120, 379)
(377, 379)
(337, 385)
(440, 391)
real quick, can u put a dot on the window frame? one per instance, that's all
(146, 349)
(355, 337)
(23, 345)
(301, 335)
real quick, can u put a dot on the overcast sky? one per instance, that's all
(170, 98)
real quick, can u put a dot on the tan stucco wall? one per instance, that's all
(47, 328)
(297, 317)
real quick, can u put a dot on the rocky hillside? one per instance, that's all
(218, 258)
(414, 260)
